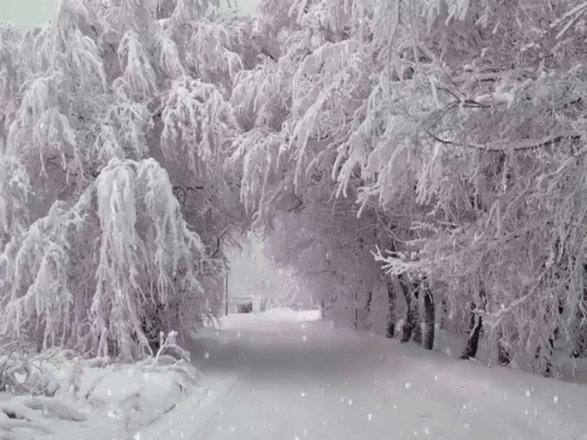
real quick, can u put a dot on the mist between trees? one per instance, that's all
(418, 160)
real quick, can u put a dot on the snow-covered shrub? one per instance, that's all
(56, 390)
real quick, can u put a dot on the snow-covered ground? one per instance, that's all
(287, 375)
(76, 399)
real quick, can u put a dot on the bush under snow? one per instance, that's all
(57, 393)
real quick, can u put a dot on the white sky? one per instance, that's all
(26, 13)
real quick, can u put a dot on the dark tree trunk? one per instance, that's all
(356, 311)
(548, 353)
(443, 313)
(429, 317)
(153, 323)
(503, 355)
(579, 349)
(475, 329)
(367, 313)
(417, 332)
(369, 301)
(363, 312)
(412, 312)
(415, 311)
(390, 331)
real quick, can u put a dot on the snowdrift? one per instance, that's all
(57, 395)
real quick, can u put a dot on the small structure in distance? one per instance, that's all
(245, 304)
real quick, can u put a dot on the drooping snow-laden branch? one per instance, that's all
(514, 145)
(145, 258)
(103, 111)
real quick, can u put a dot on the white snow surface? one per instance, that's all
(288, 375)
(97, 400)
(285, 375)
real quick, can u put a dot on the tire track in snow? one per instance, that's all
(216, 406)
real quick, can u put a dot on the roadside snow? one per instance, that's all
(277, 316)
(94, 399)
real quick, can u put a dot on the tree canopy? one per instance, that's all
(434, 148)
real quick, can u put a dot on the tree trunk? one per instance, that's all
(363, 312)
(475, 328)
(367, 310)
(579, 347)
(417, 332)
(548, 353)
(153, 323)
(429, 318)
(503, 355)
(356, 311)
(411, 315)
(416, 317)
(443, 319)
(226, 295)
(390, 331)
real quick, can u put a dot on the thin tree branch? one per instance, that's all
(516, 145)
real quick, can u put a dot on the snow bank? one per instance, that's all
(284, 314)
(281, 315)
(71, 398)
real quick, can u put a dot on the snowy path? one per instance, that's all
(286, 378)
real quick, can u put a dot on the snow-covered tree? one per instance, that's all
(114, 122)
(463, 123)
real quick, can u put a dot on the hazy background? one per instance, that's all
(27, 13)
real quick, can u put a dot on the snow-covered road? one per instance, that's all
(287, 376)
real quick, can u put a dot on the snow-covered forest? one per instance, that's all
(417, 167)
